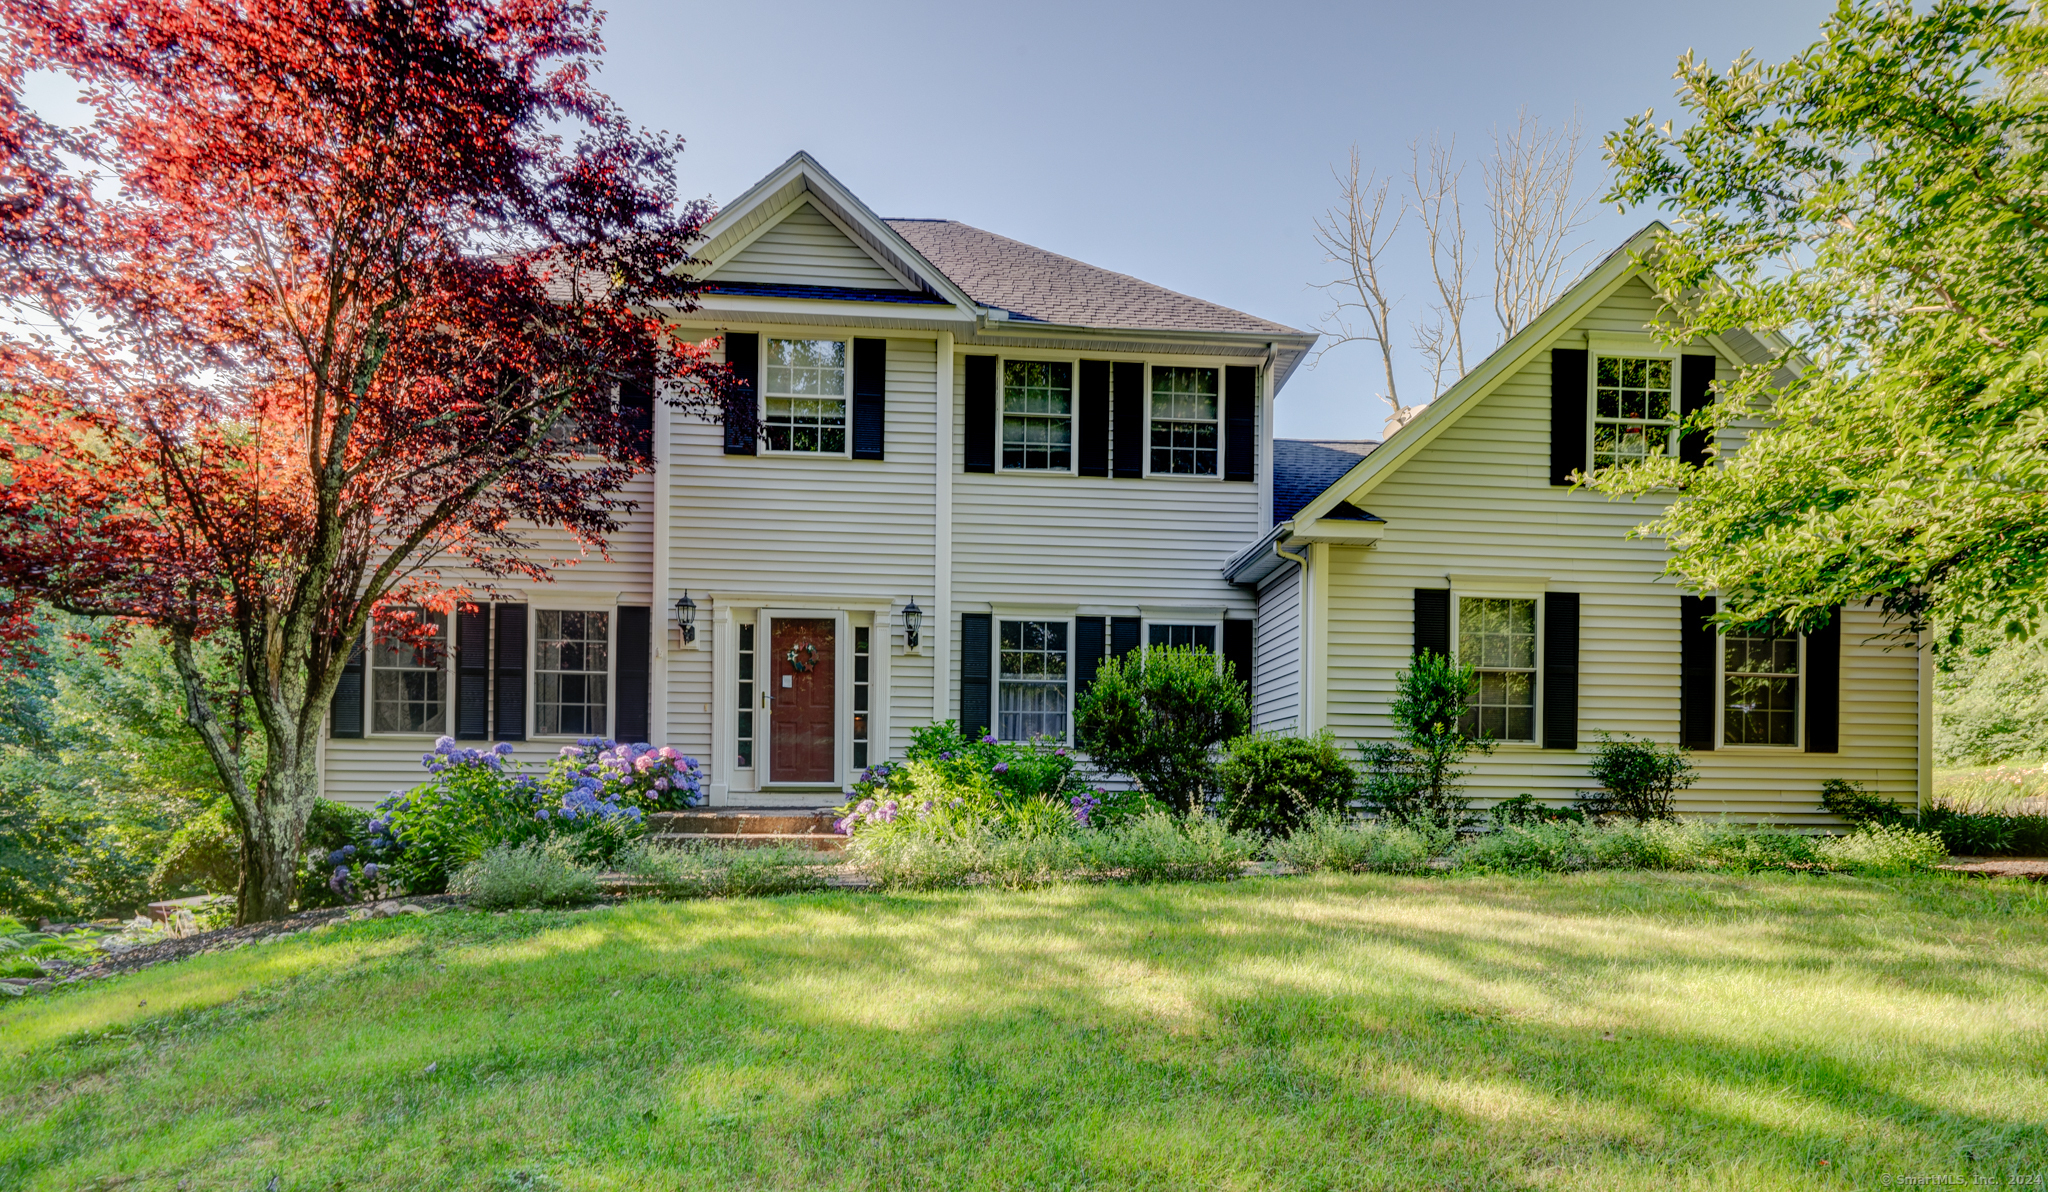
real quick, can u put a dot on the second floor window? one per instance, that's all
(1184, 405)
(1632, 410)
(410, 684)
(1497, 638)
(1038, 415)
(803, 404)
(570, 673)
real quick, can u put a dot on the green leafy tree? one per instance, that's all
(1419, 777)
(1158, 715)
(1880, 204)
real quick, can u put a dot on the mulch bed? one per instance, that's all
(2034, 869)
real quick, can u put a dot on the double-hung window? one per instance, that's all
(803, 403)
(1633, 411)
(409, 684)
(1199, 637)
(1038, 415)
(1185, 434)
(1031, 680)
(571, 676)
(1497, 638)
(1760, 690)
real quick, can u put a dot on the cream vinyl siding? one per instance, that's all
(809, 529)
(1477, 501)
(1276, 686)
(806, 248)
(1097, 544)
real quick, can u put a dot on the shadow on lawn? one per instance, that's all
(1314, 1033)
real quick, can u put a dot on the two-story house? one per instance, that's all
(980, 469)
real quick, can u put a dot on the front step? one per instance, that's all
(747, 827)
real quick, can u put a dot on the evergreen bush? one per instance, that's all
(1272, 784)
(1158, 714)
(1638, 778)
(1417, 778)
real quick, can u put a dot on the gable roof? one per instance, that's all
(1303, 468)
(1031, 284)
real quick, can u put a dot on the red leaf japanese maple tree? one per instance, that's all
(326, 311)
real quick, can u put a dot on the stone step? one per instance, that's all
(831, 843)
(744, 821)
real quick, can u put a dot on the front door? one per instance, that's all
(803, 708)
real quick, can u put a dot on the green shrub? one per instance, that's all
(1883, 850)
(921, 861)
(1638, 778)
(1854, 803)
(536, 873)
(1328, 843)
(1158, 714)
(204, 856)
(1526, 848)
(1524, 809)
(1631, 845)
(1272, 784)
(1418, 778)
(1741, 848)
(722, 871)
(1161, 848)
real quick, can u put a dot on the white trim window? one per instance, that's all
(1032, 679)
(863, 718)
(1196, 636)
(1038, 416)
(743, 722)
(409, 679)
(1635, 411)
(803, 396)
(1760, 678)
(1187, 406)
(1497, 638)
(571, 672)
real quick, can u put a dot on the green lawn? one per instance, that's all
(1612, 1030)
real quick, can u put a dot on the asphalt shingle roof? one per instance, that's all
(1303, 468)
(1036, 285)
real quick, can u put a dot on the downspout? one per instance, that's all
(1303, 611)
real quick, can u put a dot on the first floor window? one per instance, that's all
(1199, 637)
(1760, 690)
(862, 638)
(1497, 639)
(1032, 681)
(1632, 410)
(410, 677)
(1038, 415)
(1184, 405)
(804, 396)
(570, 674)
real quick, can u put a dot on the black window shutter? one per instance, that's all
(1094, 418)
(1697, 670)
(1695, 377)
(636, 409)
(1433, 621)
(473, 672)
(1123, 635)
(979, 420)
(1560, 670)
(1567, 413)
(1237, 650)
(1824, 686)
(1130, 433)
(743, 354)
(511, 686)
(634, 668)
(870, 396)
(1091, 639)
(345, 714)
(974, 670)
(1240, 415)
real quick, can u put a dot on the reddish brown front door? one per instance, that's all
(803, 687)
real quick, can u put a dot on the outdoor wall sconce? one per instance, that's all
(686, 617)
(913, 620)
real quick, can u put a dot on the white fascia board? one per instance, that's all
(1355, 533)
(745, 308)
(1505, 361)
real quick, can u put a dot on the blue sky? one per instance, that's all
(1187, 144)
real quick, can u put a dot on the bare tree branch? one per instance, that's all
(1529, 193)
(1435, 182)
(1349, 235)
